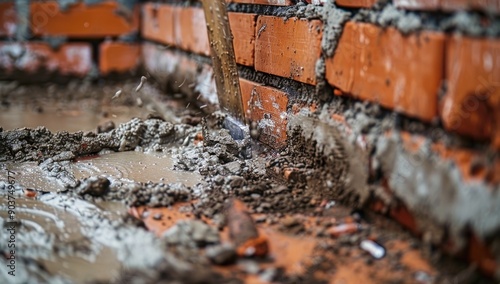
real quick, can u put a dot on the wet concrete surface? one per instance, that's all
(146, 202)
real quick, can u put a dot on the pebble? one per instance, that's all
(223, 254)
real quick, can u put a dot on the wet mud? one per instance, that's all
(155, 201)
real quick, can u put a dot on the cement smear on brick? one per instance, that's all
(434, 189)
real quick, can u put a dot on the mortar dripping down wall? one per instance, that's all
(446, 207)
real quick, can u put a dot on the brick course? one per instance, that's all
(372, 64)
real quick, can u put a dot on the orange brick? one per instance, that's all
(83, 21)
(7, 19)
(191, 30)
(264, 2)
(472, 102)
(384, 66)
(288, 48)
(267, 106)
(158, 22)
(118, 57)
(74, 59)
(355, 3)
(243, 30)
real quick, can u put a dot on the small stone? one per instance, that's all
(222, 254)
(290, 221)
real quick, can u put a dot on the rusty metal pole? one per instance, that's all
(224, 65)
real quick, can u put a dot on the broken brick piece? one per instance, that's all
(243, 232)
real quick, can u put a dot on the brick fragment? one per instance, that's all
(118, 57)
(471, 105)
(266, 106)
(243, 232)
(384, 66)
(288, 48)
(72, 59)
(83, 21)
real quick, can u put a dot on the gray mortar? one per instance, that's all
(467, 23)
(435, 188)
(150, 134)
(23, 20)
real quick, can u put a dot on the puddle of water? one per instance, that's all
(71, 120)
(30, 175)
(47, 218)
(44, 218)
(136, 166)
(104, 268)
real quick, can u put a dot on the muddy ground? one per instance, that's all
(168, 197)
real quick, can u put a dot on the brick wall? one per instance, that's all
(412, 87)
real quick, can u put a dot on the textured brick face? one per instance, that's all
(399, 72)
(118, 57)
(267, 107)
(83, 21)
(158, 23)
(288, 48)
(472, 102)
(243, 30)
(191, 31)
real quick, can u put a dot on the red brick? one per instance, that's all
(191, 30)
(288, 48)
(449, 5)
(118, 57)
(264, 2)
(7, 19)
(355, 3)
(472, 102)
(83, 21)
(267, 106)
(73, 59)
(243, 30)
(158, 22)
(384, 66)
